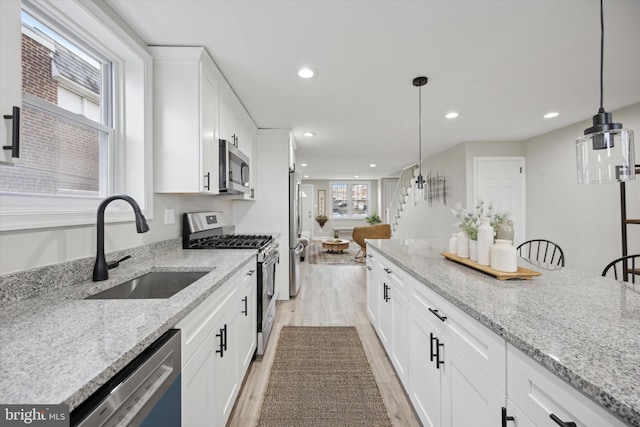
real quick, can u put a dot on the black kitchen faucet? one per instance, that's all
(101, 268)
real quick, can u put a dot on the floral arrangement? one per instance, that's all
(321, 219)
(469, 221)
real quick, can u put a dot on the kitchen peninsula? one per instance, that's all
(580, 327)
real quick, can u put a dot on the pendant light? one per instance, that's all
(419, 190)
(605, 152)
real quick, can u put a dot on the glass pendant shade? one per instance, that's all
(605, 156)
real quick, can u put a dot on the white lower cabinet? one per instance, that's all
(457, 372)
(218, 341)
(546, 400)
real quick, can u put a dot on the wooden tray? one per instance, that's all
(522, 273)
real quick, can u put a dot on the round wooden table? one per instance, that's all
(335, 245)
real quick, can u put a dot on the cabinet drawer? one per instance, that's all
(538, 393)
(482, 347)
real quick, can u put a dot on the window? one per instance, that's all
(66, 125)
(349, 199)
(86, 118)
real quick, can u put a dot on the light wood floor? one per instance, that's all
(329, 296)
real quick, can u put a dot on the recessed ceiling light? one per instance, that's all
(309, 134)
(303, 165)
(356, 176)
(306, 73)
(451, 115)
(372, 165)
(551, 115)
(306, 176)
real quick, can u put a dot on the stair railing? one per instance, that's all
(395, 208)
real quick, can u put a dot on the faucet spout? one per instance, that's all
(100, 268)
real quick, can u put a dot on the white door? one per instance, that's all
(501, 182)
(307, 197)
(388, 188)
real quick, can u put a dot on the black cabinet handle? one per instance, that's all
(558, 421)
(221, 343)
(368, 268)
(438, 361)
(250, 272)
(386, 295)
(435, 312)
(207, 186)
(506, 417)
(15, 133)
(431, 340)
(387, 270)
(245, 311)
(225, 337)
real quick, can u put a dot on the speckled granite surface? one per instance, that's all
(59, 348)
(582, 327)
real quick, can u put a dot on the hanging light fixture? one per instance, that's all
(605, 152)
(419, 190)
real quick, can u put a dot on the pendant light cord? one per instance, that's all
(601, 57)
(420, 130)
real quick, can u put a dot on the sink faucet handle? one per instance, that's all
(114, 264)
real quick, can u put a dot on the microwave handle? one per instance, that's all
(245, 181)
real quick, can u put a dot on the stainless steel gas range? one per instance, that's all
(208, 230)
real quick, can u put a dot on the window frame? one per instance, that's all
(130, 163)
(350, 183)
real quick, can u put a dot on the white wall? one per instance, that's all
(25, 249)
(269, 213)
(583, 219)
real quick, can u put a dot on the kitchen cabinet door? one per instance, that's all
(197, 389)
(385, 327)
(225, 367)
(373, 291)
(468, 397)
(229, 120)
(247, 321)
(425, 379)
(10, 70)
(185, 119)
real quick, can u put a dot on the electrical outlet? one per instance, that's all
(169, 216)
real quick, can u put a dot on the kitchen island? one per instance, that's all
(59, 348)
(580, 327)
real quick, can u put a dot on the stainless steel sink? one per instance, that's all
(157, 284)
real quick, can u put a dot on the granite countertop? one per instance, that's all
(582, 327)
(60, 348)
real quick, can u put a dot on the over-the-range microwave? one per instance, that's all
(234, 169)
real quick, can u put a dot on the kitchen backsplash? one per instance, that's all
(29, 283)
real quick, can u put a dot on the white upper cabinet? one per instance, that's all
(194, 108)
(185, 119)
(10, 75)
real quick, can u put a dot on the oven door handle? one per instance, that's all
(271, 260)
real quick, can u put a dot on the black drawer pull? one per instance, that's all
(438, 361)
(435, 312)
(558, 421)
(431, 340)
(387, 270)
(221, 344)
(369, 268)
(246, 306)
(506, 417)
(207, 186)
(15, 133)
(250, 272)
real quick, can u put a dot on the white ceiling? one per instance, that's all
(502, 64)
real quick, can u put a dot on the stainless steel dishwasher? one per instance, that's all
(147, 392)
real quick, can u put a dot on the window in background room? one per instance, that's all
(349, 199)
(66, 120)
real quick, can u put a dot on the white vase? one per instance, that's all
(485, 241)
(504, 256)
(462, 247)
(453, 244)
(473, 250)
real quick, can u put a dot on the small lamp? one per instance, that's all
(419, 191)
(605, 153)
